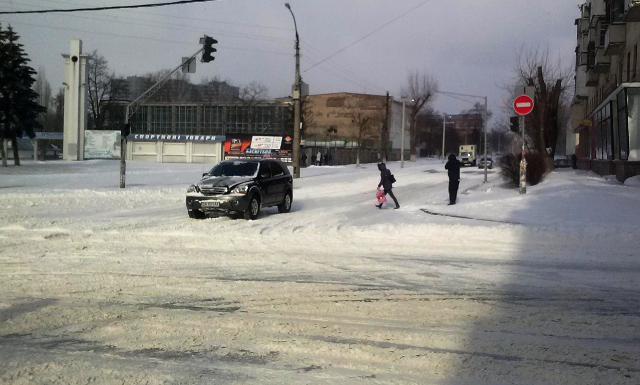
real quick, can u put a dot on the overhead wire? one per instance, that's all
(367, 35)
(105, 8)
(341, 72)
(147, 38)
(173, 16)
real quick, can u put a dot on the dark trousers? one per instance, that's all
(392, 196)
(453, 190)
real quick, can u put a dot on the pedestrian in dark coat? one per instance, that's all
(453, 168)
(386, 182)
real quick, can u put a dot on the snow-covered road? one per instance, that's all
(108, 286)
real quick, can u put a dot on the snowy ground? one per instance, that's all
(107, 286)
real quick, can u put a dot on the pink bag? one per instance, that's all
(380, 197)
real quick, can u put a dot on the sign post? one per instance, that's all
(523, 106)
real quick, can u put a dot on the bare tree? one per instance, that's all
(367, 123)
(101, 88)
(253, 93)
(307, 118)
(177, 88)
(420, 91)
(551, 82)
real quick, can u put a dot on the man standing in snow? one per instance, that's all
(453, 167)
(319, 158)
(386, 181)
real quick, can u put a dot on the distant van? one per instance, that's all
(468, 154)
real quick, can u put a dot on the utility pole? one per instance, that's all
(444, 128)
(385, 131)
(297, 90)
(402, 134)
(485, 114)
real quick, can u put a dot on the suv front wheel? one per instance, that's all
(253, 210)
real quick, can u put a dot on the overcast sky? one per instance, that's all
(469, 46)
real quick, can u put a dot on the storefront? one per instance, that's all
(205, 133)
(164, 148)
(614, 136)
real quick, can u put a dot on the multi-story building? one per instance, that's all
(606, 106)
(339, 123)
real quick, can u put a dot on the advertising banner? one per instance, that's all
(175, 138)
(101, 144)
(258, 147)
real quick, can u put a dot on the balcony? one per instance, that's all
(582, 58)
(592, 79)
(583, 26)
(614, 39)
(632, 10)
(602, 62)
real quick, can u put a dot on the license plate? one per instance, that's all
(210, 204)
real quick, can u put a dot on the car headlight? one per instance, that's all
(240, 189)
(192, 189)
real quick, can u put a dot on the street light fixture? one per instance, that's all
(296, 101)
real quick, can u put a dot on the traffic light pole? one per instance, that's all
(132, 108)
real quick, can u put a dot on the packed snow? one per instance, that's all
(101, 285)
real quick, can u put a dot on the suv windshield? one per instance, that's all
(235, 169)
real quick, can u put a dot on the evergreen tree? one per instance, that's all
(19, 108)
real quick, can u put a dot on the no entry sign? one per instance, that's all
(523, 105)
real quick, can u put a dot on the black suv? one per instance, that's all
(241, 187)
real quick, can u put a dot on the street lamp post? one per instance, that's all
(444, 129)
(296, 101)
(402, 134)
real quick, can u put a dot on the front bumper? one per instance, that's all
(231, 203)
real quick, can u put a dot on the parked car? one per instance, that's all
(241, 187)
(489, 163)
(561, 161)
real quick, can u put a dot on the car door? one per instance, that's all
(266, 183)
(279, 181)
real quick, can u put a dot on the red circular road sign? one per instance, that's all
(523, 105)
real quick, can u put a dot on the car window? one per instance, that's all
(238, 168)
(276, 169)
(265, 172)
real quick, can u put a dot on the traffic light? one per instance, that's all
(126, 130)
(514, 124)
(208, 48)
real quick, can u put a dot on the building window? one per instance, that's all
(623, 121)
(633, 124)
(604, 148)
(186, 120)
(159, 119)
(620, 67)
(635, 61)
